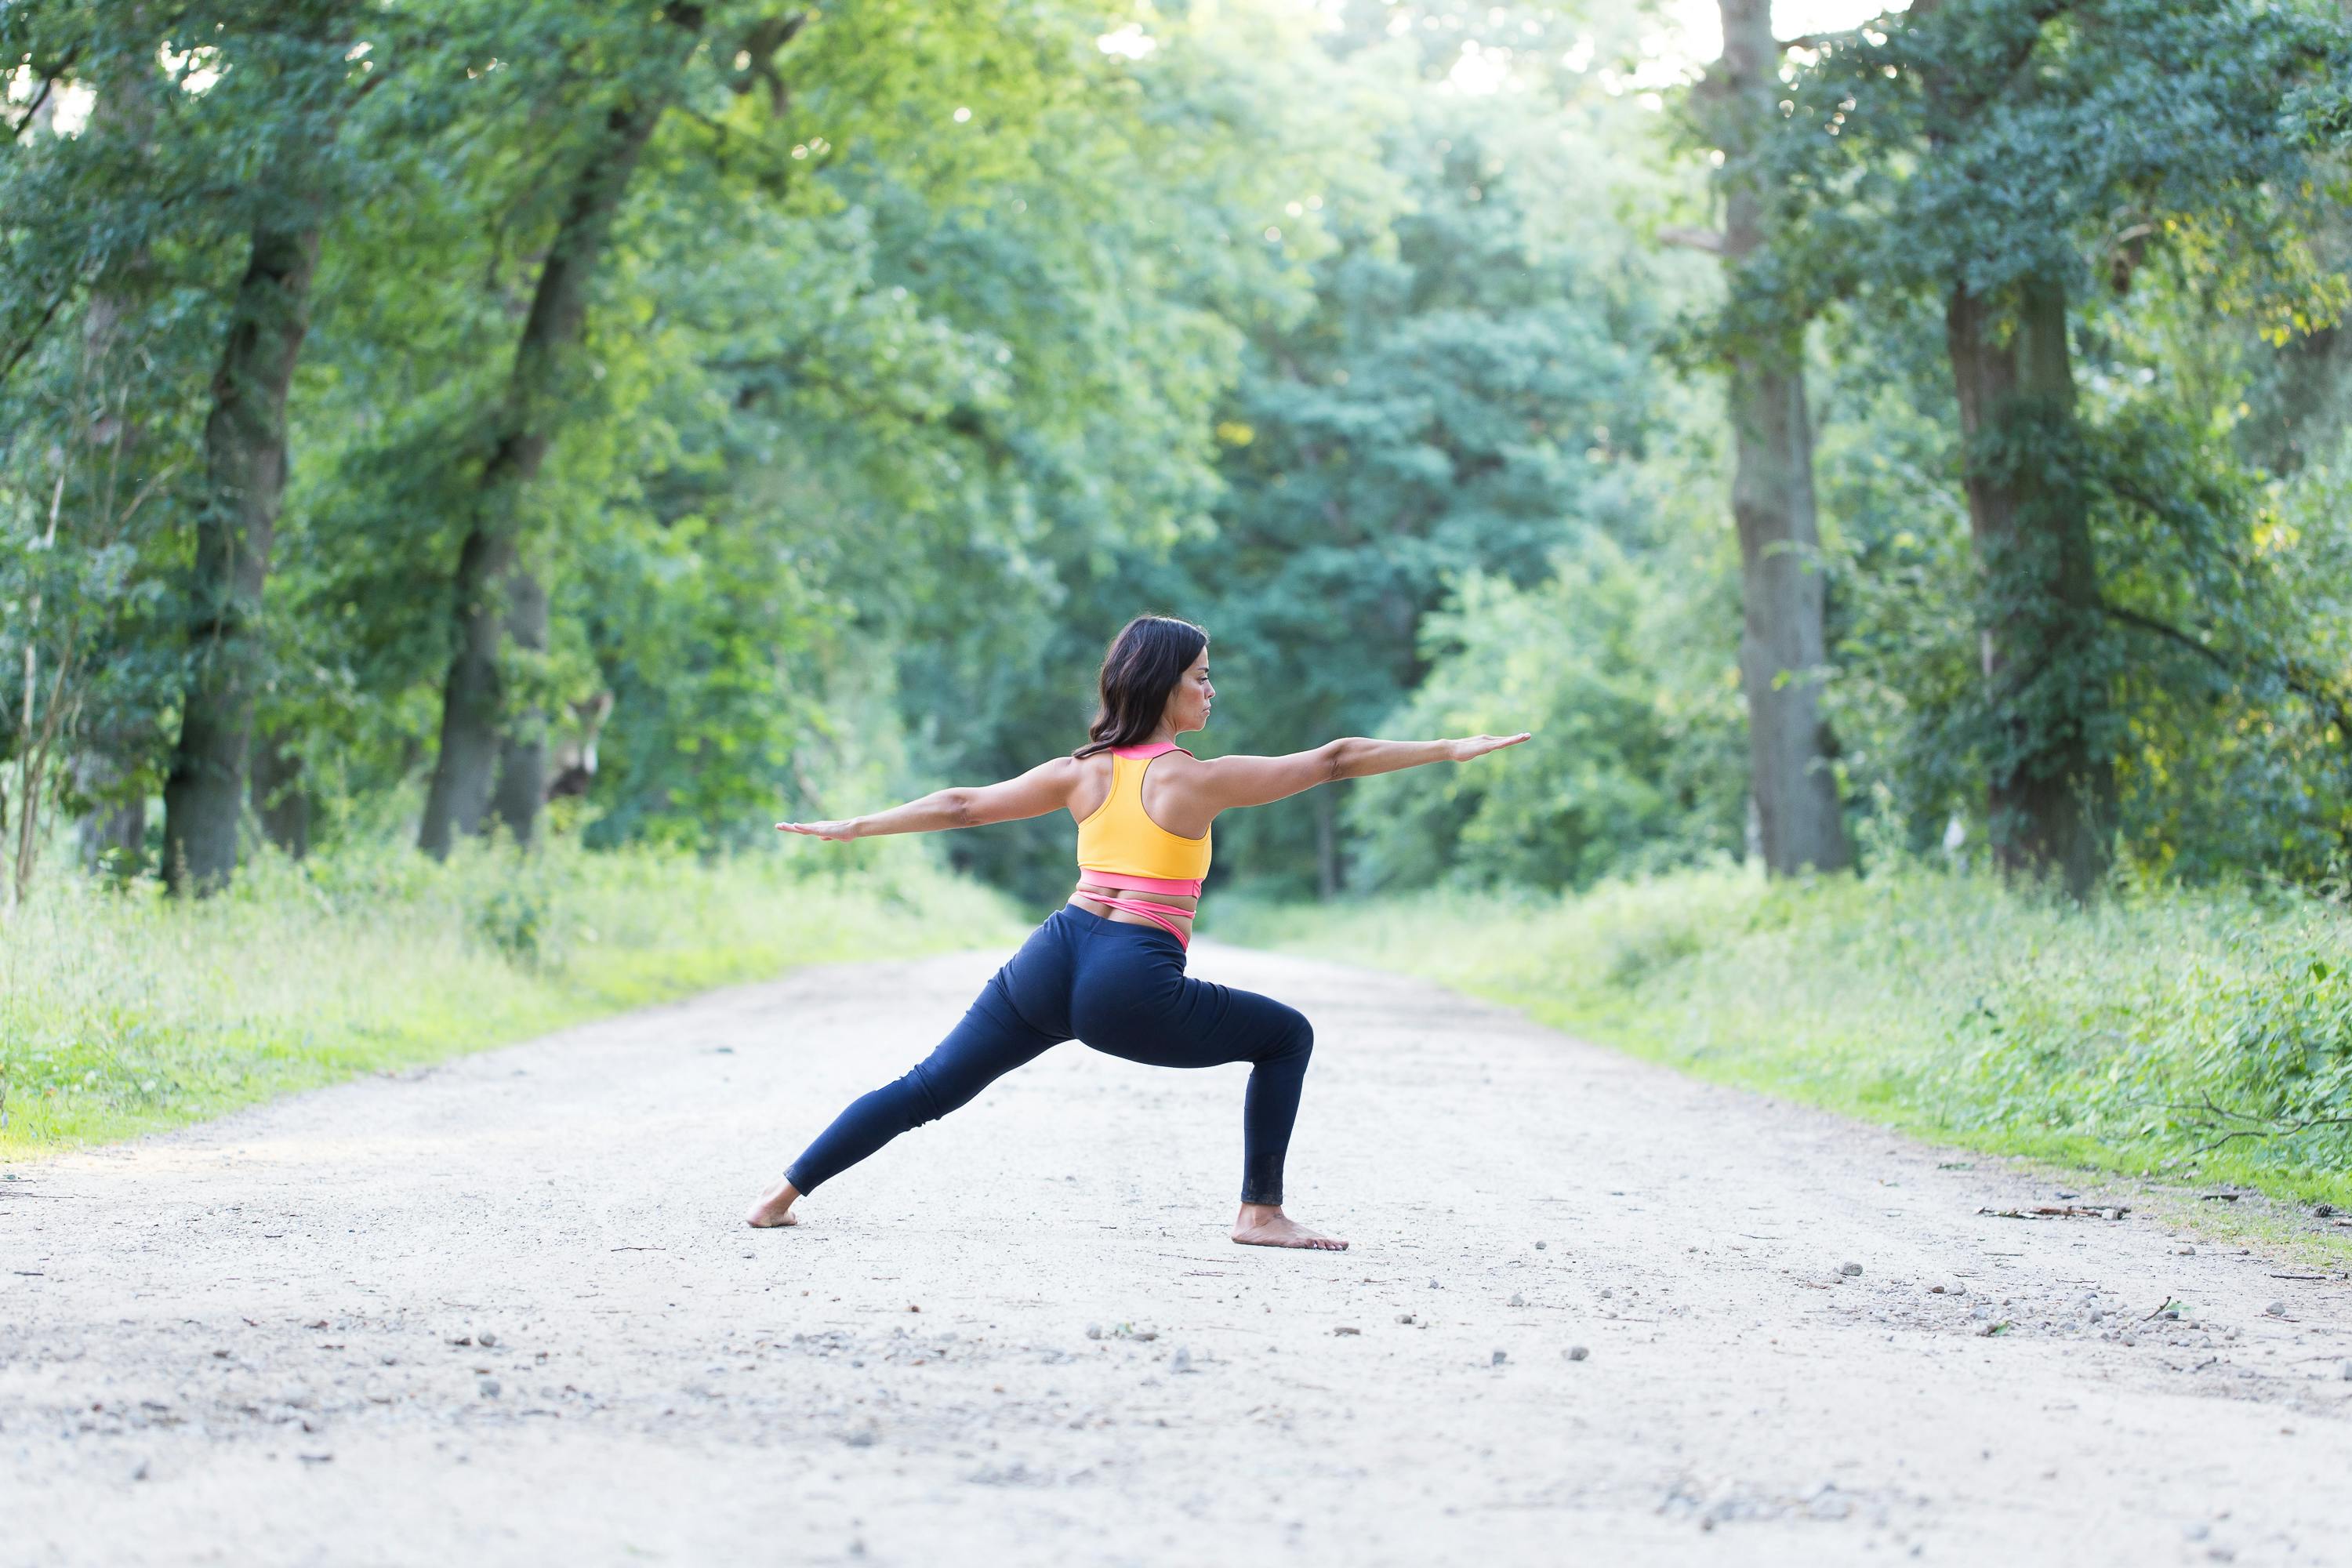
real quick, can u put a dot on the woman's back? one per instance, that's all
(1121, 835)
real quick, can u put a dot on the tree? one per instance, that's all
(1783, 649)
(294, 61)
(497, 592)
(2003, 157)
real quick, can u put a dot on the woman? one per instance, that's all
(1107, 967)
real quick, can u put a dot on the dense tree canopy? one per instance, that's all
(429, 419)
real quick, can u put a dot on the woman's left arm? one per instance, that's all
(1044, 788)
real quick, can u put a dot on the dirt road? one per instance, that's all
(504, 1311)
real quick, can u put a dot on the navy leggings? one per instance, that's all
(1119, 988)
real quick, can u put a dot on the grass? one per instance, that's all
(1940, 1003)
(123, 1012)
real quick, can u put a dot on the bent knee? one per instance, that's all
(1297, 1037)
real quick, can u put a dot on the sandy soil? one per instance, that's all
(506, 1311)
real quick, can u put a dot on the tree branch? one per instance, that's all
(49, 314)
(2298, 678)
(1707, 239)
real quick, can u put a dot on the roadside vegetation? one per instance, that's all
(123, 1011)
(2201, 1035)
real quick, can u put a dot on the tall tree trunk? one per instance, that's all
(1782, 647)
(244, 460)
(281, 796)
(2051, 789)
(1326, 844)
(114, 835)
(522, 753)
(496, 594)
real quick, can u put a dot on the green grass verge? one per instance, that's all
(123, 1012)
(1942, 1004)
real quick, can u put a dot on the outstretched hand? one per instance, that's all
(836, 831)
(1479, 745)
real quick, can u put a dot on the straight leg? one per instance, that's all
(991, 1040)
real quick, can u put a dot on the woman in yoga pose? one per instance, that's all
(1107, 967)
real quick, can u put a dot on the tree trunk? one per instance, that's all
(496, 594)
(2051, 791)
(522, 755)
(245, 459)
(114, 835)
(1782, 647)
(281, 798)
(1326, 844)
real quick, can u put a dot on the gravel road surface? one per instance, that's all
(504, 1311)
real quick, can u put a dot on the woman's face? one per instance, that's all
(1188, 705)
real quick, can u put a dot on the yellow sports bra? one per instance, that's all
(1119, 839)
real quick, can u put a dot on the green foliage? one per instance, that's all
(1624, 670)
(2139, 1035)
(123, 1011)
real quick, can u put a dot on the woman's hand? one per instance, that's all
(836, 831)
(1479, 745)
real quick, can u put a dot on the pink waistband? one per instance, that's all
(1159, 915)
(1189, 888)
(1164, 916)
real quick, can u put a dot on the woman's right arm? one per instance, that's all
(1253, 781)
(1044, 788)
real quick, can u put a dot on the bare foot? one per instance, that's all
(1265, 1224)
(774, 1207)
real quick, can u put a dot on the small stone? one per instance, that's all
(1851, 1270)
(2187, 1252)
(2276, 1308)
(2321, 1210)
(1606, 1292)
(1576, 1352)
(489, 1387)
(1094, 1331)
(2345, 1372)
(1517, 1300)
(1343, 1330)
(138, 1470)
(1435, 1286)
(487, 1340)
(1182, 1361)
(1500, 1357)
(1539, 1247)
(2098, 1314)
(1404, 1317)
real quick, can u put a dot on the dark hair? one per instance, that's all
(1146, 660)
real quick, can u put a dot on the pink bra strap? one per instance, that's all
(1162, 750)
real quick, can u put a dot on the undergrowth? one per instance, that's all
(2204, 1033)
(122, 1011)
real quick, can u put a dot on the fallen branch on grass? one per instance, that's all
(2068, 1211)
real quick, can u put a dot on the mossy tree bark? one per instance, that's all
(1782, 650)
(2050, 785)
(244, 464)
(488, 737)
